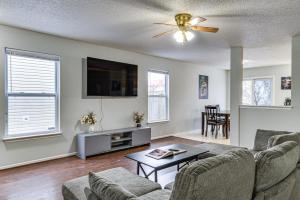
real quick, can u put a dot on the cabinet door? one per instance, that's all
(97, 144)
(140, 137)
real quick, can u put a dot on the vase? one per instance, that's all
(91, 128)
(138, 125)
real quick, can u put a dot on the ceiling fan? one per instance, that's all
(185, 24)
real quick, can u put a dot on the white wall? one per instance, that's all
(287, 119)
(185, 107)
(276, 72)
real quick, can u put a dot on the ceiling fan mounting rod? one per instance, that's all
(182, 19)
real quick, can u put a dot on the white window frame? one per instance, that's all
(257, 78)
(33, 54)
(167, 96)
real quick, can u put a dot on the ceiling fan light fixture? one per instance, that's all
(194, 21)
(189, 35)
(181, 35)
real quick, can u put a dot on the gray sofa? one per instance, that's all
(229, 173)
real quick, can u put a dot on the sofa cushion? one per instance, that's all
(279, 139)
(262, 137)
(296, 191)
(137, 185)
(107, 190)
(275, 164)
(280, 191)
(253, 152)
(214, 150)
(74, 189)
(226, 176)
(156, 195)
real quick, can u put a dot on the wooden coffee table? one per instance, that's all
(191, 154)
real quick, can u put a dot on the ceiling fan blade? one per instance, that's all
(196, 20)
(163, 33)
(165, 24)
(205, 29)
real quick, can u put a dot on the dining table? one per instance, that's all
(222, 113)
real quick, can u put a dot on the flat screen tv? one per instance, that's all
(110, 78)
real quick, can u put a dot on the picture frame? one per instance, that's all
(286, 83)
(203, 87)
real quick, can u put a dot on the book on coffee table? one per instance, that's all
(163, 153)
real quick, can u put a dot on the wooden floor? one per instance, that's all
(44, 180)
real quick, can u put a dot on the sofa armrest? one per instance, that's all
(155, 195)
(216, 149)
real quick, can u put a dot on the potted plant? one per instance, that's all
(89, 120)
(138, 118)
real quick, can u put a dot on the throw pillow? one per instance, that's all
(279, 139)
(107, 190)
(262, 137)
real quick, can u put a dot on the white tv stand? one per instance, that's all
(89, 144)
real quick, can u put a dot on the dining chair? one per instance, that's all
(214, 120)
(223, 118)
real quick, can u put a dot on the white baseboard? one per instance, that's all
(188, 132)
(161, 136)
(177, 134)
(37, 161)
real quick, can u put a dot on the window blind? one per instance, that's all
(32, 92)
(158, 96)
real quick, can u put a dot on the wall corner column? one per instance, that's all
(295, 72)
(236, 78)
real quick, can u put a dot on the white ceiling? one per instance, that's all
(263, 27)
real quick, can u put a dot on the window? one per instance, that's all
(32, 93)
(158, 96)
(258, 92)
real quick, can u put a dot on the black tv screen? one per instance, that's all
(109, 78)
